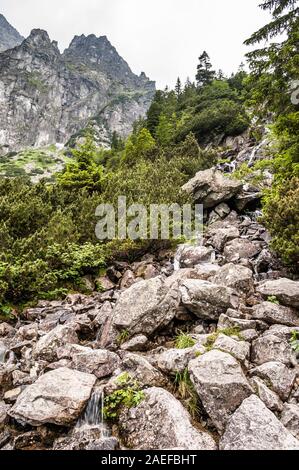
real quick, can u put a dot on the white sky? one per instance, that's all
(163, 38)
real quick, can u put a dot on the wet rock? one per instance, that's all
(279, 377)
(161, 422)
(56, 397)
(285, 290)
(270, 398)
(254, 427)
(89, 438)
(207, 300)
(46, 347)
(239, 349)
(269, 348)
(235, 276)
(273, 313)
(290, 418)
(221, 385)
(210, 188)
(146, 306)
(240, 248)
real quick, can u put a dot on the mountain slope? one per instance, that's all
(48, 97)
(9, 36)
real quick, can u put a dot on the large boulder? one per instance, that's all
(190, 255)
(270, 347)
(176, 360)
(161, 422)
(57, 397)
(210, 187)
(218, 237)
(146, 306)
(220, 383)
(207, 300)
(279, 377)
(241, 248)
(235, 276)
(272, 313)
(47, 345)
(290, 418)
(285, 290)
(254, 427)
(239, 349)
(99, 362)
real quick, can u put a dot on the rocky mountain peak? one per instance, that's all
(39, 40)
(9, 36)
(88, 85)
(98, 53)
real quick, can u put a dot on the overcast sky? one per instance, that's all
(163, 38)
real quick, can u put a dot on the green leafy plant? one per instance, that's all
(130, 395)
(184, 341)
(273, 299)
(295, 341)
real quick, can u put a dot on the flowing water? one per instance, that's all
(3, 350)
(93, 416)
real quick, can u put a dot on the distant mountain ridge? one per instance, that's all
(48, 97)
(9, 36)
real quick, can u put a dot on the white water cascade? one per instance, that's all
(93, 416)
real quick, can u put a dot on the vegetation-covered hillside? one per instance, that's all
(48, 242)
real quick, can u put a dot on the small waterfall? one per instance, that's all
(3, 350)
(93, 416)
(177, 258)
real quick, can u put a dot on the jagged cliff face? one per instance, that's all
(47, 97)
(9, 36)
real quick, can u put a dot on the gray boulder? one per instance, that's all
(254, 427)
(47, 345)
(239, 349)
(290, 418)
(146, 306)
(280, 378)
(235, 276)
(269, 347)
(161, 422)
(285, 290)
(207, 300)
(57, 397)
(221, 385)
(210, 187)
(241, 248)
(273, 313)
(99, 362)
(192, 255)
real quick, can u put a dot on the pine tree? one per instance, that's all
(285, 16)
(178, 87)
(205, 75)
